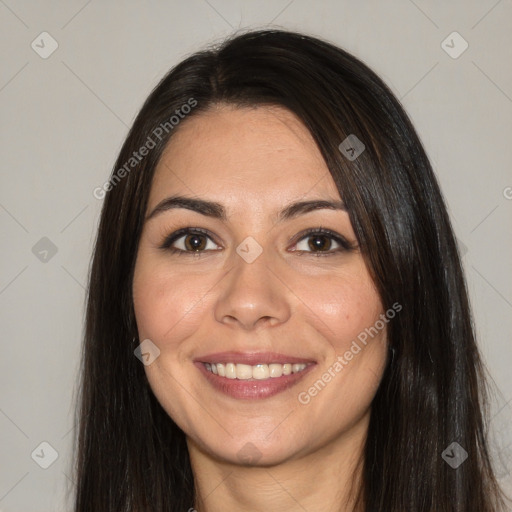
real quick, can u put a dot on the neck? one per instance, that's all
(326, 479)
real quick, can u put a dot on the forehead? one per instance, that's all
(262, 154)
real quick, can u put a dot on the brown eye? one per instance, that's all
(195, 242)
(319, 243)
(189, 241)
(322, 242)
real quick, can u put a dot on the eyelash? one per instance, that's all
(345, 246)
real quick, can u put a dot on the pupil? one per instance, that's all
(194, 242)
(319, 242)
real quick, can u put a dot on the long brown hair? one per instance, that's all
(130, 454)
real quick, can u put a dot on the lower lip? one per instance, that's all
(253, 389)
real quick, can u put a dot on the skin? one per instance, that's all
(255, 161)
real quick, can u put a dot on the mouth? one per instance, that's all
(252, 375)
(258, 371)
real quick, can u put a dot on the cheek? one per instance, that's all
(342, 308)
(167, 305)
(346, 312)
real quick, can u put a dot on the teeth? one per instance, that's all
(230, 370)
(256, 372)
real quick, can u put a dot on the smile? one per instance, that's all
(259, 371)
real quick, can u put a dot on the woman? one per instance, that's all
(277, 316)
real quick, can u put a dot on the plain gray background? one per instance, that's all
(64, 118)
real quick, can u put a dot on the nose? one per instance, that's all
(252, 295)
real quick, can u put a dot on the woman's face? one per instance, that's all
(233, 307)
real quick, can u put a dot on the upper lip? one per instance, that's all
(251, 358)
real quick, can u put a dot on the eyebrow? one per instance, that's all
(217, 211)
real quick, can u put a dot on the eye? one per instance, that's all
(318, 241)
(192, 240)
(322, 242)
